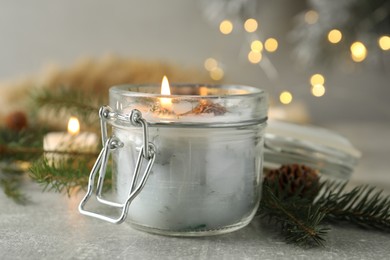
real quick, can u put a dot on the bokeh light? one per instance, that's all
(335, 36)
(217, 73)
(384, 42)
(285, 97)
(311, 17)
(271, 44)
(210, 64)
(358, 51)
(226, 27)
(317, 79)
(318, 90)
(257, 46)
(250, 25)
(254, 57)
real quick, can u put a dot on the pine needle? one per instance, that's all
(68, 100)
(11, 185)
(65, 175)
(299, 221)
(364, 206)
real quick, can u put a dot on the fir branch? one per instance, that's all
(73, 101)
(299, 221)
(11, 185)
(364, 206)
(21, 145)
(65, 175)
(17, 148)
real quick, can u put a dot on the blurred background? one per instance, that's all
(322, 62)
(35, 34)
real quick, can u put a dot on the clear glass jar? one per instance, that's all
(207, 174)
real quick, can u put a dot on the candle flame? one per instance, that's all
(165, 90)
(73, 126)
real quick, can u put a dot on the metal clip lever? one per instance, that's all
(137, 182)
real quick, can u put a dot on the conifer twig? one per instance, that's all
(11, 188)
(299, 221)
(363, 205)
(65, 175)
(69, 100)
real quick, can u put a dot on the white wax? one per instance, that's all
(65, 142)
(202, 179)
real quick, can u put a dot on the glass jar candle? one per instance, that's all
(202, 171)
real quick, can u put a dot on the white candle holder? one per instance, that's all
(186, 164)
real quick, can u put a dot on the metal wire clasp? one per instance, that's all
(148, 152)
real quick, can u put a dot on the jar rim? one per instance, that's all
(230, 90)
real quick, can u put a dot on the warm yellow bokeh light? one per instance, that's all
(254, 57)
(210, 64)
(73, 126)
(318, 90)
(384, 43)
(217, 74)
(358, 51)
(285, 97)
(311, 17)
(257, 46)
(271, 44)
(335, 36)
(250, 25)
(317, 79)
(226, 27)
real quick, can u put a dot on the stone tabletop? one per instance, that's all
(50, 227)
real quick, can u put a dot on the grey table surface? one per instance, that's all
(50, 227)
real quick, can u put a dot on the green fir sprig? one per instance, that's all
(65, 175)
(69, 101)
(297, 218)
(11, 182)
(303, 217)
(364, 206)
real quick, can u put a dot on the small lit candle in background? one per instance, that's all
(57, 144)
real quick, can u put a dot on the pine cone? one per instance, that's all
(16, 121)
(293, 180)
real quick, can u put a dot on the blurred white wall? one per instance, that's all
(34, 33)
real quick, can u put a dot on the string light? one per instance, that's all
(311, 17)
(335, 36)
(384, 42)
(256, 46)
(250, 25)
(254, 57)
(358, 51)
(271, 44)
(285, 97)
(317, 79)
(226, 27)
(318, 90)
(210, 64)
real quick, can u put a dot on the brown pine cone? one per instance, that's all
(293, 180)
(16, 120)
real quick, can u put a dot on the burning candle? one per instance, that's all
(165, 90)
(57, 144)
(207, 173)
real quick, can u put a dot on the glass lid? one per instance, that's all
(330, 153)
